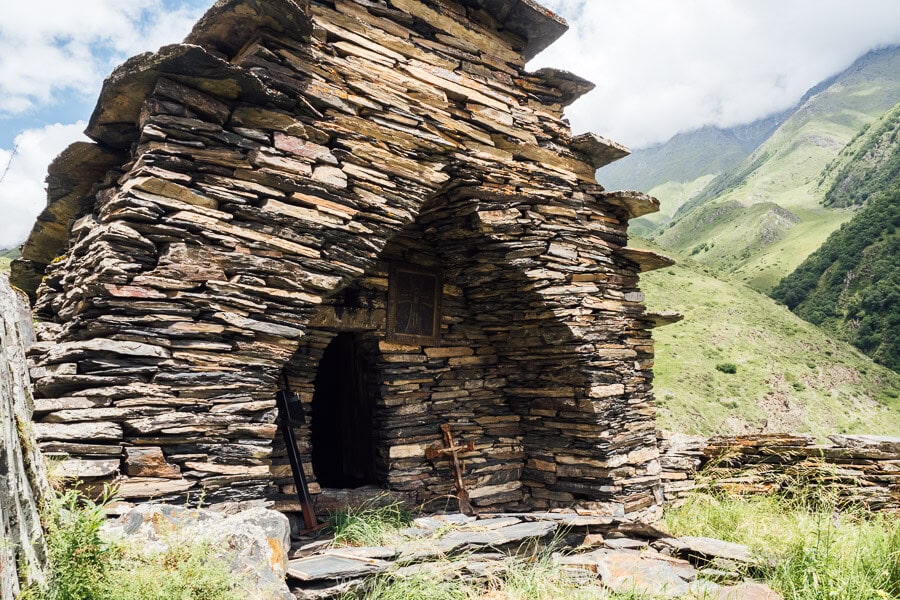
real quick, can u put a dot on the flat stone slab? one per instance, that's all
(490, 524)
(625, 543)
(626, 572)
(329, 567)
(502, 536)
(456, 541)
(454, 519)
(376, 552)
(563, 519)
(887, 444)
(711, 548)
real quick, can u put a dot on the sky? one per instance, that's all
(661, 67)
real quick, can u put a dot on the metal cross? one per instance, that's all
(452, 450)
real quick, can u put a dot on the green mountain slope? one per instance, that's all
(851, 285)
(687, 156)
(790, 375)
(763, 218)
(677, 171)
(867, 166)
(6, 257)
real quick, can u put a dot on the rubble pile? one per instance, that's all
(644, 562)
(857, 470)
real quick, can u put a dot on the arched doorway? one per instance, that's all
(343, 451)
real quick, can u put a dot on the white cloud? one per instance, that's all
(664, 66)
(51, 49)
(22, 192)
(52, 46)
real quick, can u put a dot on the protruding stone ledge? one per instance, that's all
(663, 318)
(72, 176)
(572, 86)
(527, 19)
(647, 260)
(637, 204)
(600, 150)
(230, 24)
(114, 121)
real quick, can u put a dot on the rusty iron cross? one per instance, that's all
(453, 451)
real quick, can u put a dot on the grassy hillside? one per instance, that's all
(851, 285)
(672, 196)
(764, 217)
(789, 374)
(6, 257)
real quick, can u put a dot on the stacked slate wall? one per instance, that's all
(851, 470)
(257, 184)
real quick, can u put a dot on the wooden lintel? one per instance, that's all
(348, 319)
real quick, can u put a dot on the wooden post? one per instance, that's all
(23, 476)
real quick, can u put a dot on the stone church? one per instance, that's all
(369, 214)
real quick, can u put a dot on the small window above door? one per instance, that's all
(415, 295)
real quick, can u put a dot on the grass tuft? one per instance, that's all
(727, 368)
(420, 585)
(809, 551)
(370, 524)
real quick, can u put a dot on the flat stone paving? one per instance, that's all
(645, 561)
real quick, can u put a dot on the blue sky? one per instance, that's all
(661, 66)
(35, 95)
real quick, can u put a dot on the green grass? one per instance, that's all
(84, 567)
(791, 375)
(6, 258)
(372, 523)
(810, 552)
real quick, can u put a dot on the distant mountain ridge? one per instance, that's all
(715, 149)
(687, 156)
(760, 219)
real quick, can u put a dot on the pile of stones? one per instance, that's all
(640, 560)
(856, 470)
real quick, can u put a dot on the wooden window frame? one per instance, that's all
(392, 336)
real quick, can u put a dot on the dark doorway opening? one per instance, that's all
(343, 451)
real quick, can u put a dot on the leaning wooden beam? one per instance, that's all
(23, 479)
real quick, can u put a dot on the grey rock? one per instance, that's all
(625, 543)
(625, 572)
(23, 479)
(254, 543)
(711, 548)
(332, 567)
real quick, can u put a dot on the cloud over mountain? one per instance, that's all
(662, 67)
